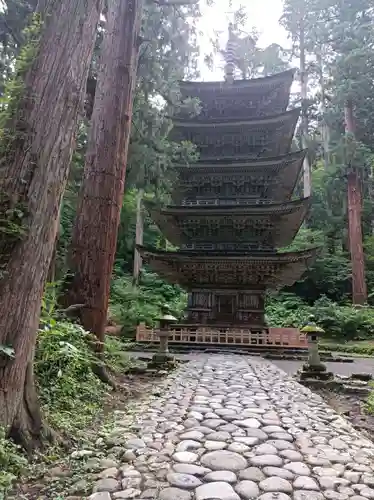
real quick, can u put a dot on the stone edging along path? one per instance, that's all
(235, 428)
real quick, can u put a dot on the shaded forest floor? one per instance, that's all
(69, 473)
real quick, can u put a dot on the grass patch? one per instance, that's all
(363, 348)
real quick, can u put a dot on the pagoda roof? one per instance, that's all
(255, 97)
(275, 178)
(189, 269)
(190, 87)
(272, 225)
(264, 137)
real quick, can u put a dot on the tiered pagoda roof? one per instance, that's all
(238, 181)
(234, 207)
(217, 270)
(256, 98)
(239, 139)
(267, 226)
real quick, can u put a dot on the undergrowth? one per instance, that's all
(370, 401)
(71, 396)
(363, 348)
(130, 305)
(12, 463)
(340, 322)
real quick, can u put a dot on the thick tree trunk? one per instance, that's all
(304, 113)
(138, 236)
(359, 291)
(100, 201)
(35, 171)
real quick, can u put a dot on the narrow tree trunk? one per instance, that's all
(359, 291)
(100, 201)
(138, 236)
(304, 112)
(51, 276)
(35, 171)
(325, 132)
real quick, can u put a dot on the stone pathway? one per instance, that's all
(238, 428)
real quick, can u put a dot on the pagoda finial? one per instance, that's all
(230, 56)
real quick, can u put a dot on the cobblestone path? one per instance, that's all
(234, 428)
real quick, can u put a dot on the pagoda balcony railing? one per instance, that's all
(227, 247)
(264, 337)
(225, 201)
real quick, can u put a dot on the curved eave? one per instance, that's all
(285, 219)
(269, 270)
(219, 123)
(230, 210)
(194, 88)
(269, 164)
(284, 173)
(267, 137)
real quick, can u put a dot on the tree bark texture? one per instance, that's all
(96, 226)
(304, 113)
(325, 131)
(139, 230)
(354, 197)
(34, 174)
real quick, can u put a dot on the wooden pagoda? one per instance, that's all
(232, 210)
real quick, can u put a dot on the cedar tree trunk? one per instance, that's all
(304, 112)
(95, 232)
(32, 180)
(138, 236)
(359, 291)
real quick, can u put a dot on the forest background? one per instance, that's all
(333, 49)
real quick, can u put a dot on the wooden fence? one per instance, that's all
(276, 337)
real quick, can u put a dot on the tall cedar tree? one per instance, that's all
(32, 180)
(95, 231)
(359, 290)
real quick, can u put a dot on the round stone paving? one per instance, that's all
(234, 428)
(224, 460)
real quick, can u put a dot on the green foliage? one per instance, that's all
(70, 393)
(13, 210)
(132, 305)
(14, 87)
(63, 363)
(360, 348)
(370, 402)
(7, 351)
(342, 322)
(12, 463)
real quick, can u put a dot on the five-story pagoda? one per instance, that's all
(234, 207)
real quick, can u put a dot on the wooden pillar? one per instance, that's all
(354, 197)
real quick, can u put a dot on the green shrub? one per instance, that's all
(341, 322)
(12, 463)
(370, 403)
(63, 361)
(132, 305)
(71, 395)
(362, 348)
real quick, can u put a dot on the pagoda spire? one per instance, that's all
(230, 56)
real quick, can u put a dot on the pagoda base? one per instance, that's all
(194, 335)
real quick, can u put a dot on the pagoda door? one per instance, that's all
(225, 311)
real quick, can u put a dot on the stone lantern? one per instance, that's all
(165, 321)
(314, 368)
